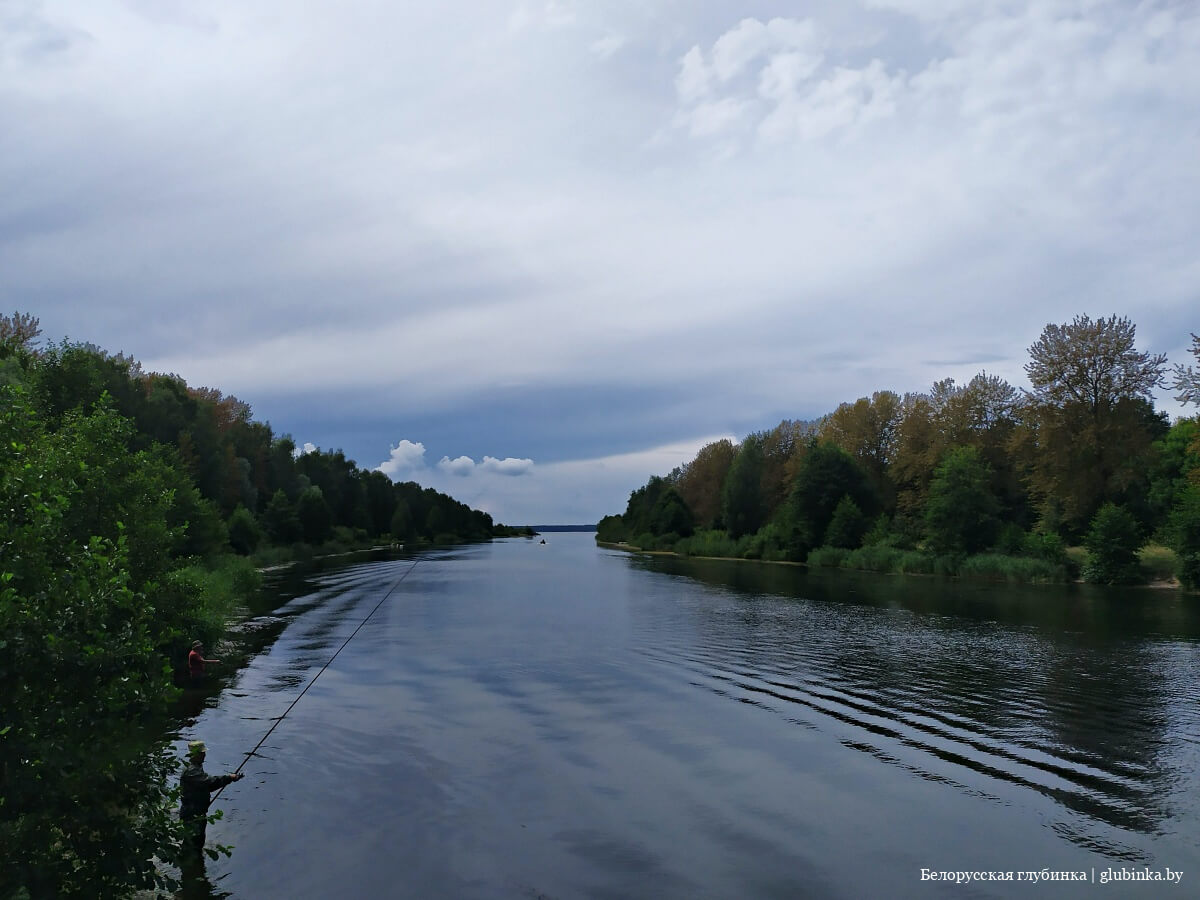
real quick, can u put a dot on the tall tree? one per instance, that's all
(1089, 423)
(743, 506)
(1091, 363)
(702, 479)
(961, 512)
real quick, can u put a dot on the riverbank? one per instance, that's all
(988, 567)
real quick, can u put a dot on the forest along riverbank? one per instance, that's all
(567, 720)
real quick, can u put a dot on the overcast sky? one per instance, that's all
(532, 253)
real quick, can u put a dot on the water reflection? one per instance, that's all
(1066, 691)
(563, 721)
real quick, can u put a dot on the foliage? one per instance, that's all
(1157, 563)
(1092, 363)
(960, 515)
(81, 627)
(1187, 379)
(20, 330)
(743, 506)
(1112, 543)
(826, 475)
(847, 526)
(244, 531)
(314, 515)
(700, 482)
(612, 530)
(1184, 534)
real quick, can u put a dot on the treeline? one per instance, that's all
(130, 502)
(255, 489)
(980, 479)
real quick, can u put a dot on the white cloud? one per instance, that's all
(306, 447)
(569, 492)
(694, 78)
(403, 459)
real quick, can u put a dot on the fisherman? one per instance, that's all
(195, 788)
(197, 662)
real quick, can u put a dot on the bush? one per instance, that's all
(828, 557)
(1022, 569)
(244, 532)
(1158, 563)
(1183, 528)
(848, 525)
(1112, 543)
(1011, 541)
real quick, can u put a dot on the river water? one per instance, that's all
(559, 720)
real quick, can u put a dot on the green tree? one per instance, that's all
(402, 522)
(1112, 542)
(847, 526)
(280, 520)
(671, 515)
(316, 519)
(1089, 421)
(744, 509)
(80, 647)
(960, 514)
(826, 475)
(244, 531)
(1183, 530)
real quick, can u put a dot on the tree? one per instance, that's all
(19, 330)
(960, 515)
(826, 476)
(847, 527)
(671, 515)
(1089, 424)
(316, 520)
(868, 430)
(1092, 363)
(1187, 380)
(1183, 530)
(742, 501)
(701, 481)
(244, 531)
(84, 543)
(1112, 543)
(280, 520)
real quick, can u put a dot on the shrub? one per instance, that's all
(1183, 528)
(1112, 543)
(827, 557)
(1158, 563)
(244, 532)
(1023, 569)
(848, 525)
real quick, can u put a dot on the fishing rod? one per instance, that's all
(248, 756)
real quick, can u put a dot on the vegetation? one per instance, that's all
(1071, 477)
(135, 508)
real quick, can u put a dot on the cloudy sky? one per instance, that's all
(530, 253)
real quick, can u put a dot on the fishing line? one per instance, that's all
(395, 585)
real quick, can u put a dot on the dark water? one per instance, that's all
(527, 720)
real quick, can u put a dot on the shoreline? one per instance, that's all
(1171, 584)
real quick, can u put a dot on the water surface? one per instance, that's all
(562, 720)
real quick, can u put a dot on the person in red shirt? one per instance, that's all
(197, 662)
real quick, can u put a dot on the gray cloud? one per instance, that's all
(571, 231)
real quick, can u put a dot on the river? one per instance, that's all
(559, 720)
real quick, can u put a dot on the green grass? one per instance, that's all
(992, 566)
(1158, 563)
